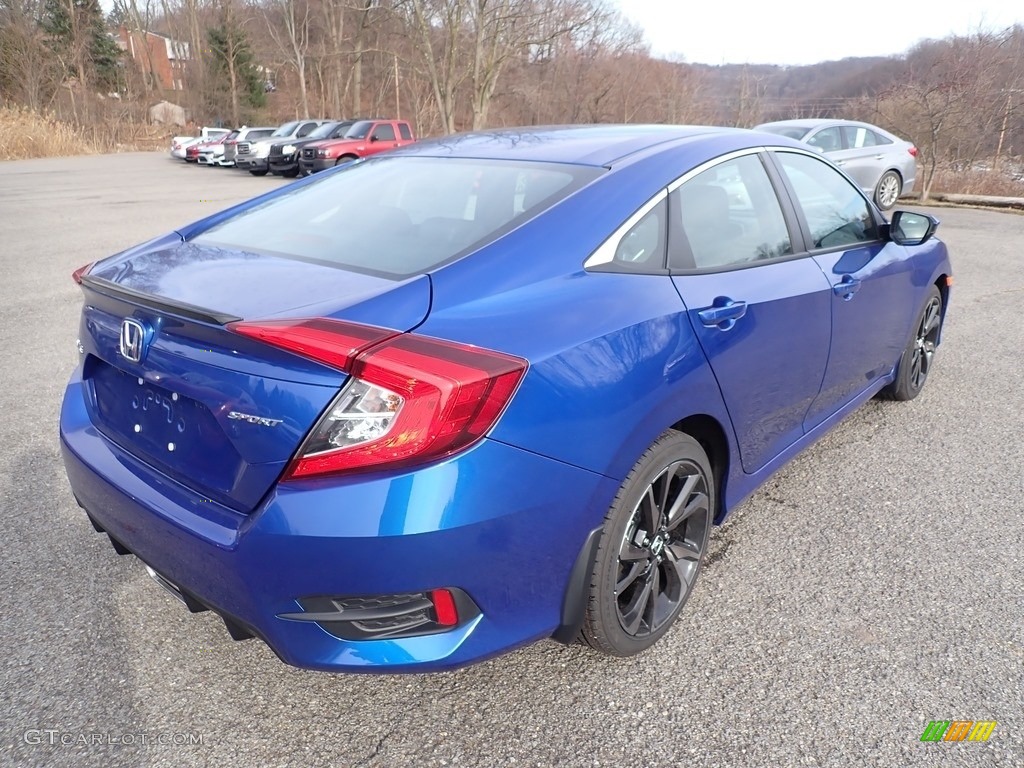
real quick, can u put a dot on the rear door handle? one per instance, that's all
(846, 287)
(723, 314)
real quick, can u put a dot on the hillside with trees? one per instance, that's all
(452, 65)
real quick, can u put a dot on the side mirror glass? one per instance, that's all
(375, 137)
(908, 228)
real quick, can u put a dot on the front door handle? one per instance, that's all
(723, 314)
(846, 287)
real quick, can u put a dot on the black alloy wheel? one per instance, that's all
(655, 536)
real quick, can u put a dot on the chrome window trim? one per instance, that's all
(605, 253)
(712, 163)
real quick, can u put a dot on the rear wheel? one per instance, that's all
(258, 172)
(650, 553)
(916, 361)
(291, 173)
(888, 189)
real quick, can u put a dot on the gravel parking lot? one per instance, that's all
(877, 583)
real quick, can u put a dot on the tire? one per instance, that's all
(641, 581)
(888, 190)
(258, 172)
(917, 359)
(344, 160)
(291, 173)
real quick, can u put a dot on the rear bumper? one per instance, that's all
(502, 524)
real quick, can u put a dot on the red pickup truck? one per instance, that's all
(364, 138)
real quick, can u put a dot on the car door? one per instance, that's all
(759, 306)
(863, 156)
(870, 279)
(383, 137)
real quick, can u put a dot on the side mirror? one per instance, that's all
(375, 138)
(908, 228)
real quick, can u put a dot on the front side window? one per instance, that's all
(836, 212)
(305, 130)
(399, 216)
(384, 132)
(730, 215)
(827, 140)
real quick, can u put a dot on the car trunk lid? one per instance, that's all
(216, 411)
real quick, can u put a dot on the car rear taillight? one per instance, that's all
(913, 151)
(410, 399)
(84, 269)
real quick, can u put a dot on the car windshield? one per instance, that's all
(399, 216)
(789, 131)
(285, 130)
(359, 130)
(323, 131)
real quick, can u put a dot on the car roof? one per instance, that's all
(814, 123)
(597, 145)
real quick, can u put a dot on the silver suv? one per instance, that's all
(252, 156)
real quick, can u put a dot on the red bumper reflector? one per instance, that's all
(444, 607)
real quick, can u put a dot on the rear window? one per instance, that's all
(400, 216)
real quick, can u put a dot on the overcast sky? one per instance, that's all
(788, 32)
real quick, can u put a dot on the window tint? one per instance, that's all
(384, 132)
(399, 216)
(729, 215)
(404, 132)
(836, 212)
(285, 130)
(827, 139)
(359, 130)
(789, 131)
(643, 246)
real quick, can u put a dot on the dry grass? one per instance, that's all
(978, 182)
(25, 134)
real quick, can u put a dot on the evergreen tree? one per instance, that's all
(78, 36)
(233, 70)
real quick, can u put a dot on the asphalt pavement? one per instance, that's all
(875, 584)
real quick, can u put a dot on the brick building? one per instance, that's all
(158, 56)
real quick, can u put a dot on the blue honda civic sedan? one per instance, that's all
(484, 390)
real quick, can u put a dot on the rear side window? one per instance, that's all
(404, 132)
(857, 137)
(729, 215)
(399, 216)
(836, 212)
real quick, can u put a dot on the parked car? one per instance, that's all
(252, 155)
(212, 152)
(365, 138)
(179, 144)
(283, 157)
(486, 389)
(192, 150)
(884, 165)
(244, 135)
